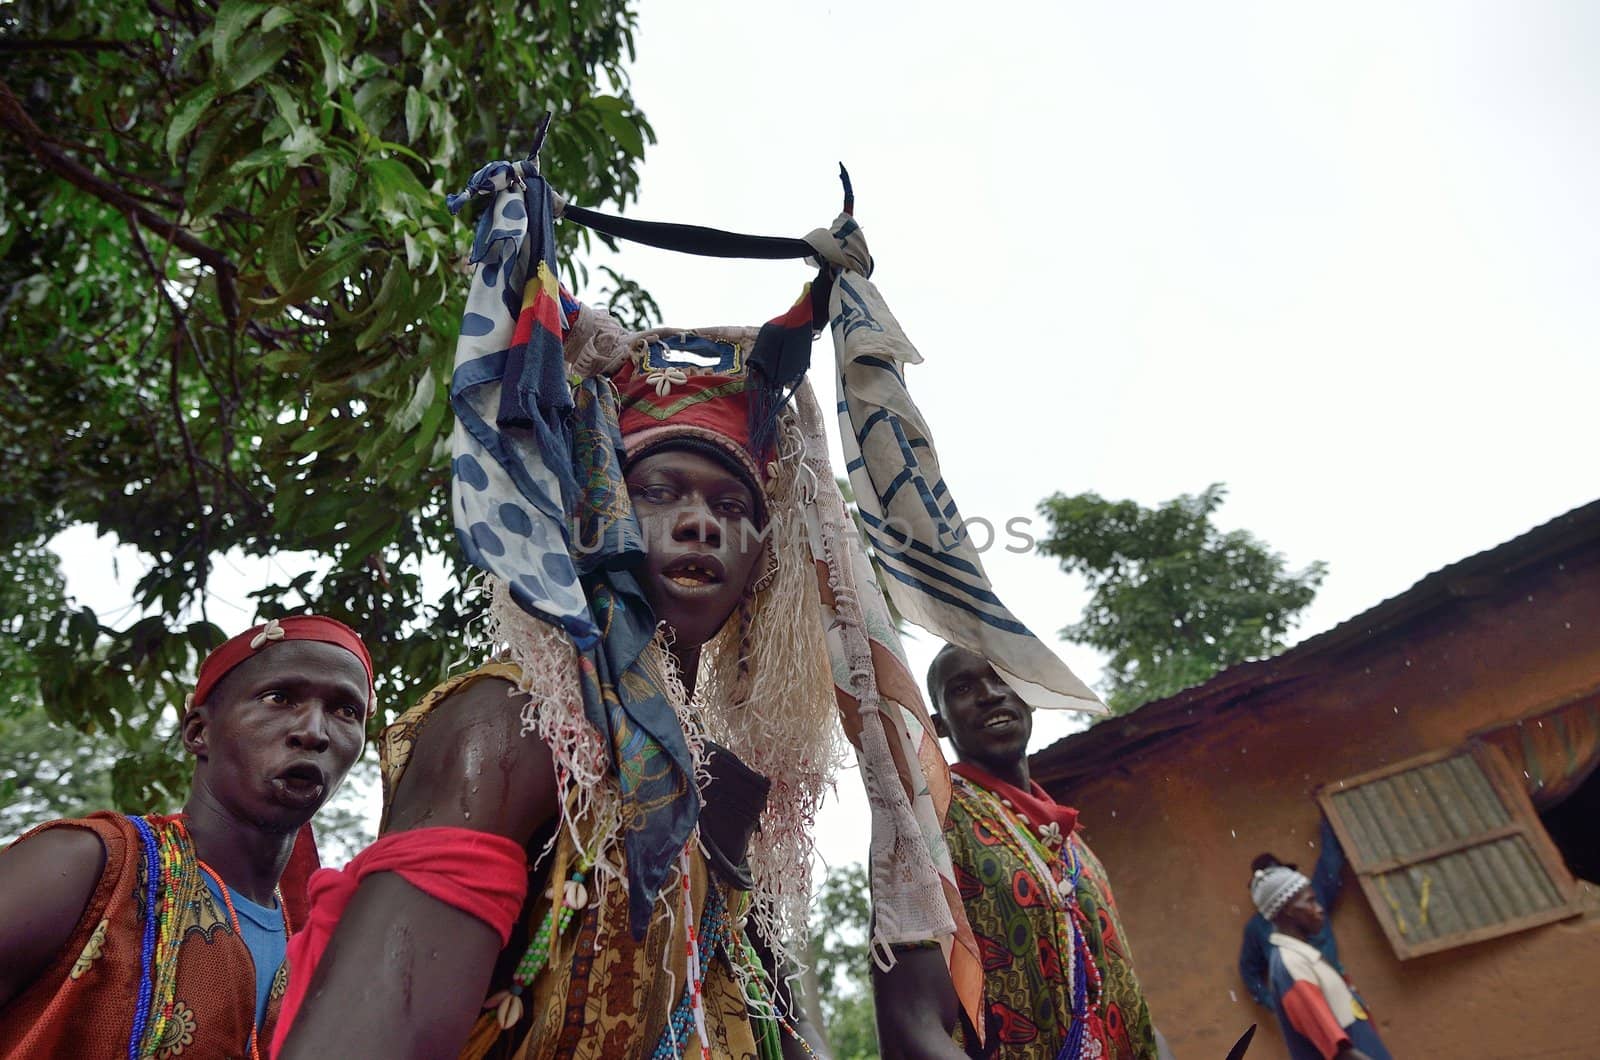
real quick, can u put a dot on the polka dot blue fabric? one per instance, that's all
(537, 466)
(513, 483)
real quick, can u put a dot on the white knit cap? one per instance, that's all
(1271, 888)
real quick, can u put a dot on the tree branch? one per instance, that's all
(16, 119)
(174, 391)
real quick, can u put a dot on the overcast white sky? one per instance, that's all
(1342, 259)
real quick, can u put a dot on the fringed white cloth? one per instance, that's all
(914, 896)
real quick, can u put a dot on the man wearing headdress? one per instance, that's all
(1322, 1016)
(1058, 971)
(500, 767)
(684, 612)
(165, 935)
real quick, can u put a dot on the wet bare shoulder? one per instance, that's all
(472, 767)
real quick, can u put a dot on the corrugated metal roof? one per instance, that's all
(1120, 738)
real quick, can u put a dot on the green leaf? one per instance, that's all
(392, 295)
(300, 145)
(277, 16)
(226, 127)
(186, 115)
(341, 178)
(205, 636)
(261, 56)
(333, 72)
(288, 106)
(415, 103)
(376, 103)
(421, 402)
(329, 267)
(233, 19)
(628, 135)
(283, 253)
(432, 419)
(369, 539)
(394, 181)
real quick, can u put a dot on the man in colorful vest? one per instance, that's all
(95, 962)
(493, 916)
(1058, 971)
(1322, 1016)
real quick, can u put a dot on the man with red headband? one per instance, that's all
(95, 961)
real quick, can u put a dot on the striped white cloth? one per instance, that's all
(933, 573)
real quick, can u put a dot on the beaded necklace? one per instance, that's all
(689, 1015)
(691, 947)
(173, 882)
(716, 932)
(508, 1004)
(1085, 1035)
(233, 921)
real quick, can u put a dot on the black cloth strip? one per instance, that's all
(690, 239)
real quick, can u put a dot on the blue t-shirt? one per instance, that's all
(261, 930)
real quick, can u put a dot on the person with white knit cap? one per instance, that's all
(1322, 1016)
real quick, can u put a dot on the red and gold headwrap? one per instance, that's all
(296, 627)
(661, 401)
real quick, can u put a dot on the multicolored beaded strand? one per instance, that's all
(716, 932)
(508, 1003)
(797, 1036)
(1085, 1037)
(170, 883)
(692, 952)
(147, 946)
(689, 1014)
(233, 922)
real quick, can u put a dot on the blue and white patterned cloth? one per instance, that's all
(512, 489)
(538, 466)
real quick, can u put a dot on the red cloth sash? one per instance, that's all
(478, 873)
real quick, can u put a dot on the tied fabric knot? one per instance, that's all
(478, 873)
(270, 632)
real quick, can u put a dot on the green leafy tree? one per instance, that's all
(1175, 599)
(46, 770)
(840, 963)
(64, 765)
(229, 295)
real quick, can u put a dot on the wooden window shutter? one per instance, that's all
(1449, 850)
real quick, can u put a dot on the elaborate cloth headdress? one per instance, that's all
(550, 396)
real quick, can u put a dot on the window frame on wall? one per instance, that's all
(1455, 832)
